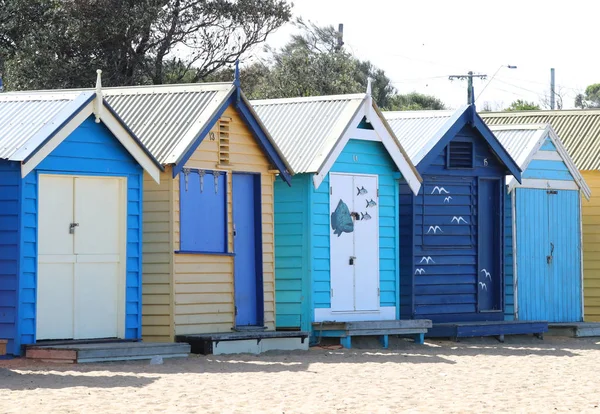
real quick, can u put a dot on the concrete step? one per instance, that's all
(104, 352)
(575, 329)
(251, 342)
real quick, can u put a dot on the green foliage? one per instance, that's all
(312, 64)
(522, 105)
(415, 101)
(591, 99)
(60, 43)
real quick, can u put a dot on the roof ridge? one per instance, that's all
(307, 99)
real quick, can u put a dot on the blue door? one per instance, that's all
(489, 271)
(246, 245)
(548, 255)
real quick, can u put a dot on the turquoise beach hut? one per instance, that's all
(336, 227)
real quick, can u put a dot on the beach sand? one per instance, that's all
(477, 375)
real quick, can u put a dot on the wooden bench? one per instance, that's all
(417, 328)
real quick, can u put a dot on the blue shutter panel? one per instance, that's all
(203, 211)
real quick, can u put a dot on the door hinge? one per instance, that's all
(378, 192)
(331, 292)
(378, 292)
(330, 190)
(235, 310)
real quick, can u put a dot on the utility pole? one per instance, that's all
(470, 91)
(340, 37)
(552, 92)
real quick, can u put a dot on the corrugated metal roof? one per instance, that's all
(307, 129)
(167, 118)
(419, 131)
(579, 130)
(24, 115)
(520, 140)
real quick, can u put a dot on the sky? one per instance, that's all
(419, 43)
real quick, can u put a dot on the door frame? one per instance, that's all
(501, 187)
(123, 210)
(258, 239)
(378, 250)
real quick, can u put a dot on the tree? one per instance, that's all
(60, 43)
(522, 105)
(591, 99)
(311, 64)
(415, 101)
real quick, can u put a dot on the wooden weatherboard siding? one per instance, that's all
(446, 289)
(591, 248)
(157, 323)
(544, 291)
(10, 213)
(203, 290)
(359, 157)
(292, 258)
(303, 227)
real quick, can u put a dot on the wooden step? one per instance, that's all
(104, 352)
(456, 330)
(254, 342)
(575, 329)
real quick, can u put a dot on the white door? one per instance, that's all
(354, 243)
(81, 252)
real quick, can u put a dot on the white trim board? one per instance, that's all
(385, 313)
(382, 134)
(111, 122)
(543, 184)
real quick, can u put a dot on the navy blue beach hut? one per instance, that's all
(543, 265)
(452, 232)
(336, 227)
(71, 177)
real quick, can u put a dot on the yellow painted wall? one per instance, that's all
(203, 287)
(591, 248)
(157, 325)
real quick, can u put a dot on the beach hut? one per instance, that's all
(452, 231)
(543, 253)
(208, 226)
(70, 219)
(336, 227)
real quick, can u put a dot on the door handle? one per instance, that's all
(549, 258)
(72, 227)
(351, 261)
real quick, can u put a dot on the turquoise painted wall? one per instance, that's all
(292, 270)
(549, 292)
(91, 149)
(371, 158)
(302, 231)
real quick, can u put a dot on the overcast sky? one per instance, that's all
(419, 43)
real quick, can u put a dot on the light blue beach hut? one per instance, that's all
(543, 246)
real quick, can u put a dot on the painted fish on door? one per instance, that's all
(341, 220)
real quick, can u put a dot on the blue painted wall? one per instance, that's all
(545, 291)
(10, 193)
(446, 289)
(90, 150)
(302, 231)
(509, 296)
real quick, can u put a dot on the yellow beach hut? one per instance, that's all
(208, 237)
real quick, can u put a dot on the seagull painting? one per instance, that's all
(419, 271)
(439, 190)
(487, 274)
(434, 229)
(447, 199)
(483, 286)
(427, 259)
(458, 220)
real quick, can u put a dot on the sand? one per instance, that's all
(479, 375)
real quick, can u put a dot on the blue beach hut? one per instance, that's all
(336, 227)
(452, 232)
(543, 253)
(71, 177)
